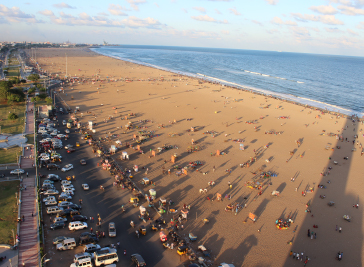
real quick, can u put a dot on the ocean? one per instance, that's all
(325, 81)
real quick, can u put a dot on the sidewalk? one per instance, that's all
(28, 229)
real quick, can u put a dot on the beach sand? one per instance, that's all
(162, 97)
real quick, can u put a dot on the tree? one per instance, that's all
(42, 96)
(12, 116)
(42, 89)
(33, 77)
(4, 89)
(49, 101)
(31, 90)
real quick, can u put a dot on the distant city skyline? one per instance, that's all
(312, 26)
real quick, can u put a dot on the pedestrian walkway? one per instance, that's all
(28, 229)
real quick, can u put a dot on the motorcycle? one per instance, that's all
(137, 233)
(102, 188)
(132, 224)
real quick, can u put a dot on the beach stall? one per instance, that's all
(124, 155)
(113, 149)
(152, 193)
(90, 125)
(145, 181)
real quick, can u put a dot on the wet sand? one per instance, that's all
(287, 140)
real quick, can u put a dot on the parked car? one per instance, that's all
(51, 192)
(49, 198)
(81, 218)
(91, 248)
(87, 238)
(66, 244)
(17, 171)
(77, 225)
(66, 212)
(53, 166)
(59, 219)
(67, 167)
(53, 175)
(64, 204)
(74, 206)
(50, 203)
(57, 225)
(59, 239)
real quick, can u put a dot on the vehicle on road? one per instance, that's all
(80, 256)
(74, 206)
(51, 175)
(53, 166)
(112, 229)
(77, 225)
(57, 225)
(87, 238)
(64, 204)
(50, 202)
(66, 244)
(67, 167)
(17, 171)
(83, 162)
(85, 187)
(59, 219)
(70, 150)
(105, 256)
(138, 260)
(91, 247)
(86, 262)
(54, 209)
(68, 146)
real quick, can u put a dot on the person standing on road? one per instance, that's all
(91, 230)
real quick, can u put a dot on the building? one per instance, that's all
(44, 111)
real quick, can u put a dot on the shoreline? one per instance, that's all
(310, 103)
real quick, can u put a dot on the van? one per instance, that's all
(69, 243)
(81, 256)
(82, 263)
(54, 209)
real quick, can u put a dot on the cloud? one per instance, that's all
(360, 25)
(134, 22)
(103, 14)
(333, 30)
(66, 16)
(220, 0)
(234, 11)
(350, 11)
(257, 22)
(326, 10)
(46, 12)
(352, 32)
(156, 5)
(279, 21)
(14, 14)
(301, 33)
(353, 3)
(272, 31)
(134, 3)
(63, 5)
(200, 9)
(217, 11)
(326, 19)
(117, 10)
(184, 10)
(209, 19)
(272, 2)
(225, 32)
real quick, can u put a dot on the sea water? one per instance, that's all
(325, 81)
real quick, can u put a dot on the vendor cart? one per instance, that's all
(192, 237)
(162, 236)
(145, 181)
(142, 210)
(152, 193)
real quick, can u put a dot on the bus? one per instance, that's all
(105, 256)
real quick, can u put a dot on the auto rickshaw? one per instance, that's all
(77, 143)
(154, 227)
(163, 236)
(69, 178)
(142, 230)
(182, 250)
(134, 200)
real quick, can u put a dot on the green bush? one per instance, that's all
(12, 116)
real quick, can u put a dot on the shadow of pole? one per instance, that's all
(323, 250)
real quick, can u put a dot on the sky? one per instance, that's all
(307, 26)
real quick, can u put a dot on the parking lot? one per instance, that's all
(107, 203)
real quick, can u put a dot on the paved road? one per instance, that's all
(107, 203)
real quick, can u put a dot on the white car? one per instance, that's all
(77, 225)
(67, 167)
(65, 182)
(43, 155)
(61, 135)
(85, 187)
(67, 131)
(64, 122)
(51, 192)
(64, 204)
(69, 186)
(49, 198)
(68, 146)
(51, 203)
(53, 175)
(91, 248)
(17, 171)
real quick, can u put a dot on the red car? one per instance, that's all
(70, 150)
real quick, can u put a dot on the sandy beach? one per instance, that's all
(288, 148)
